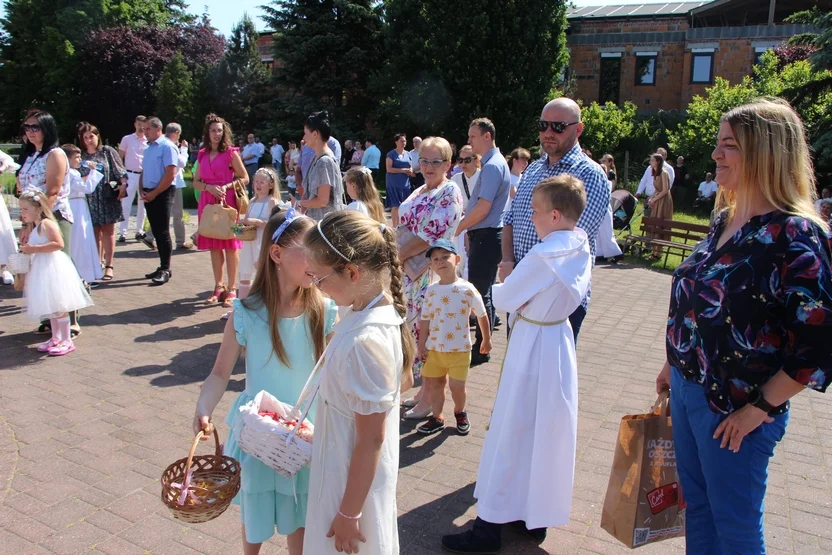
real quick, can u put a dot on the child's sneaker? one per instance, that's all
(44, 347)
(462, 424)
(432, 426)
(61, 349)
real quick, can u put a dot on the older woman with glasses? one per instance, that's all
(431, 213)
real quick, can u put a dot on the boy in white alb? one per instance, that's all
(444, 338)
(528, 459)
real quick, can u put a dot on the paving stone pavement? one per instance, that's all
(84, 438)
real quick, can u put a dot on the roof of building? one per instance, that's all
(634, 10)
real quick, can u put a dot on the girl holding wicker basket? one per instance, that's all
(355, 453)
(283, 325)
(267, 196)
(53, 287)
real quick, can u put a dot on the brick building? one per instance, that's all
(659, 56)
(264, 45)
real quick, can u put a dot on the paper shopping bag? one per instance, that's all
(216, 220)
(644, 502)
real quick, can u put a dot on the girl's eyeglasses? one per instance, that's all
(33, 127)
(317, 281)
(434, 163)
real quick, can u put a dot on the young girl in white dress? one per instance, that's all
(267, 196)
(8, 242)
(362, 190)
(355, 460)
(53, 287)
(82, 247)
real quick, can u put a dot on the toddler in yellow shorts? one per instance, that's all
(444, 338)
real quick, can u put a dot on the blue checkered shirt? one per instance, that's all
(575, 163)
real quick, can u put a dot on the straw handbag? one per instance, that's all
(216, 221)
(18, 265)
(245, 232)
(241, 195)
(200, 488)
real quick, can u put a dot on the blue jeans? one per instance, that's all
(724, 490)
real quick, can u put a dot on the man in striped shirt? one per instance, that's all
(560, 127)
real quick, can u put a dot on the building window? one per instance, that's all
(646, 68)
(610, 82)
(758, 54)
(702, 68)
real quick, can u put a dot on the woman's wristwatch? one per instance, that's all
(756, 399)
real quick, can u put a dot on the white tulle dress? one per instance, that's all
(53, 285)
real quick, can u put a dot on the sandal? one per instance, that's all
(217, 296)
(61, 349)
(229, 299)
(44, 347)
(107, 277)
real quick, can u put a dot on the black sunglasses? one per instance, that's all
(33, 127)
(466, 160)
(557, 126)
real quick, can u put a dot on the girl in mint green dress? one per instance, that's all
(283, 325)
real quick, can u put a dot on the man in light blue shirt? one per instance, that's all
(484, 219)
(277, 156)
(251, 159)
(372, 158)
(159, 167)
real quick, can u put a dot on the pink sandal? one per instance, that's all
(44, 347)
(61, 349)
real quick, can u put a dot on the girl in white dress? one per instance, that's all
(355, 460)
(82, 247)
(53, 287)
(267, 196)
(605, 245)
(362, 190)
(8, 242)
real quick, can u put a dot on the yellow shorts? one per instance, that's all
(455, 365)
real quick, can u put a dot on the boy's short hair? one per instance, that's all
(70, 149)
(564, 193)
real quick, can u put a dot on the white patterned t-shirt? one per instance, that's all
(448, 307)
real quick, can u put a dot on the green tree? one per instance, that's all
(174, 93)
(328, 50)
(40, 44)
(449, 63)
(240, 79)
(606, 126)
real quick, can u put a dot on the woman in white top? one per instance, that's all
(606, 246)
(518, 161)
(8, 243)
(466, 180)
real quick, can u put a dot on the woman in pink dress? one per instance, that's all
(219, 168)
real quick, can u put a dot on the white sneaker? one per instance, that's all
(8, 278)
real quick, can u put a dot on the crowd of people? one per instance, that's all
(384, 304)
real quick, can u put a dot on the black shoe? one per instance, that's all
(470, 542)
(463, 426)
(163, 277)
(121, 239)
(478, 359)
(154, 274)
(149, 243)
(139, 236)
(498, 322)
(44, 328)
(432, 426)
(537, 535)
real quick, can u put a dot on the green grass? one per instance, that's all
(7, 181)
(674, 259)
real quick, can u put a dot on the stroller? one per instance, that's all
(623, 206)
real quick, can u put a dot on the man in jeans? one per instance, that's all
(159, 168)
(484, 219)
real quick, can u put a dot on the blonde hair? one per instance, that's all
(439, 143)
(367, 192)
(271, 175)
(349, 235)
(265, 291)
(37, 199)
(611, 158)
(564, 193)
(775, 160)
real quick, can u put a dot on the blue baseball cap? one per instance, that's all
(442, 244)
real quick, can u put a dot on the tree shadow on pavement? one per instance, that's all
(176, 333)
(162, 313)
(189, 367)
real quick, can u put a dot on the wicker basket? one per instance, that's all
(245, 232)
(19, 263)
(270, 442)
(223, 471)
(19, 282)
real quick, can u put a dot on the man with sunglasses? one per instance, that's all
(559, 126)
(484, 220)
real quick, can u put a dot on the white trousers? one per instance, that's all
(127, 204)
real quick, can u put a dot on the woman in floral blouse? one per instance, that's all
(749, 327)
(430, 213)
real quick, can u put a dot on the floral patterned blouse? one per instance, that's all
(759, 304)
(32, 177)
(430, 215)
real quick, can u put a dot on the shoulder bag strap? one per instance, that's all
(465, 184)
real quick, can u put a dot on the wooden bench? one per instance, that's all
(687, 235)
